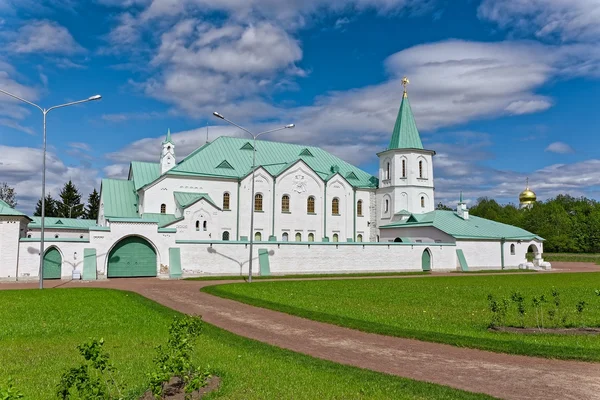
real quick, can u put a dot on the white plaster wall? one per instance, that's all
(427, 234)
(50, 233)
(10, 231)
(202, 211)
(232, 258)
(342, 224)
(363, 226)
(29, 258)
(263, 184)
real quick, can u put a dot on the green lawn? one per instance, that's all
(451, 310)
(569, 257)
(297, 276)
(41, 329)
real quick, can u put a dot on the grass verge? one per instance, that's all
(569, 257)
(41, 329)
(300, 276)
(452, 310)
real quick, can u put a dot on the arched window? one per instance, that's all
(298, 237)
(404, 168)
(335, 206)
(163, 208)
(310, 205)
(285, 237)
(387, 171)
(204, 225)
(512, 249)
(377, 238)
(226, 235)
(359, 238)
(386, 208)
(226, 201)
(285, 203)
(422, 201)
(335, 237)
(420, 169)
(311, 237)
(398, 240)
(359, 208)
(257, 237)
(258, 198)
(197, 225)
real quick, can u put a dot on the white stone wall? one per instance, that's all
(487, 254)
(291, 258)
(29, 258)
(50, 233)
(427, 234)
(10, 231)
(342, 224)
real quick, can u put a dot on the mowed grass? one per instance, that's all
(452, 310)
(40, 330)
(570, 257)
(303, 276)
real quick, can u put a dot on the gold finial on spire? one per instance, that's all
(405, 83)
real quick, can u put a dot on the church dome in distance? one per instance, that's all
(527, 196)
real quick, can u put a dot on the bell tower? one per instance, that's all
(167, 155)
(405, 170)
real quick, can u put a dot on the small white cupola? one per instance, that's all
(461, 209)
(167, 155)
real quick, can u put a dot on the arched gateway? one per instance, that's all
(52, 264)
(132, 257)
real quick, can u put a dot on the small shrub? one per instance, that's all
(518, 298)
(10, 392)
(580, 308)
(498, 309)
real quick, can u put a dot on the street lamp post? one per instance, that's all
(290, 126)
(45, 111)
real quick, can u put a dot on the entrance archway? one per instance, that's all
(52, 264)
(426, 260)
(133, 256)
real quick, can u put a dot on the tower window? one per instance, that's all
(404, 168)
(310, 205)
(226, 201)
(197, 225)
(258, 202)
(285, 203)
(163, 208)
(204, 225)
(311, 237)
(422, 202)
(257, 236)
(420, 169)
(359, 208)
(359, 238)
(335, 237)
(386, 208)
(387, 171)
(285, 237)
(512, 249)
(335, 206)
(226, 235)
(298, 237)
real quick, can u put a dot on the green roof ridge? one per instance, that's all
(405, 134)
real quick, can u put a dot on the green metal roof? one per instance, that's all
(405, 134)
(161, 219)
(5, 209)
(62, 223)
(275, 157)
(186, 199)
(143, 173)
(472, 228)
(120, 198)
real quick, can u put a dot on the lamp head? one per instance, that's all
(96, 97)
(216, 114)
(290, 126)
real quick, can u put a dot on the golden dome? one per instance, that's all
(527, 196)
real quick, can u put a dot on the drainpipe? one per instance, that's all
(354, 233)
(502, 252)
(325, 211)
(273, 227)
(237, 227)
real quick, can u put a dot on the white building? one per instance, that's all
(313, 212)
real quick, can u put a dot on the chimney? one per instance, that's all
(461, 209)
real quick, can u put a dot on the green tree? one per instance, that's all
(69, 205)
(93, 206)
(442, 206)
(50, 206)
(7, 194)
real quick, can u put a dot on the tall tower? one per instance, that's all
(167, 155)
(405, 170)
(527, 197)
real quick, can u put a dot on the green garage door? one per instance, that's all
(132, 256)
(52, 263)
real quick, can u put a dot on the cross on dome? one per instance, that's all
(405, 83)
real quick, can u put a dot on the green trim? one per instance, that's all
(65, 240)
(273, 225)
(354, 207)
(502, 253)
(136, 220)
(89, 265)
(100, 228)
(175, 262)
(325, 212)
(237, 228)
(167, 230)
(462, 261)
(263, 261)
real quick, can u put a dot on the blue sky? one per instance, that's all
(502, 90)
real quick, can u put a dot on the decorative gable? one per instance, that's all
(225, 164)
(306, 152)
(59, 222)
(352, 175)
(247, 146)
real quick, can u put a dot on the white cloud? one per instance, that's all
(11, 109)
(528, 106)
(567, 20)
(560, 148)
(42, 36)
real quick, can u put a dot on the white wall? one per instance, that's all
(427, 234)
(10, 231)
(232, 258)
(50, 233)
(29, 258)
(486, 254)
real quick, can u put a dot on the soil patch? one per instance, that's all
(556, 331)
(174, 390)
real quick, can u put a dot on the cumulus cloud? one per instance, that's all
(560, 148)
(43, 36)
(567, 20)
(12, 111)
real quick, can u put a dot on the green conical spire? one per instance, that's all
(168, 139)
(405, 134)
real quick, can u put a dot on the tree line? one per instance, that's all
(67, 205)
(568, 224)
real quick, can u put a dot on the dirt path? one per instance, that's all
(500, 375)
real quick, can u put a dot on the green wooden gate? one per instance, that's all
(426, 260)
(52, 264)
(132, 256)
